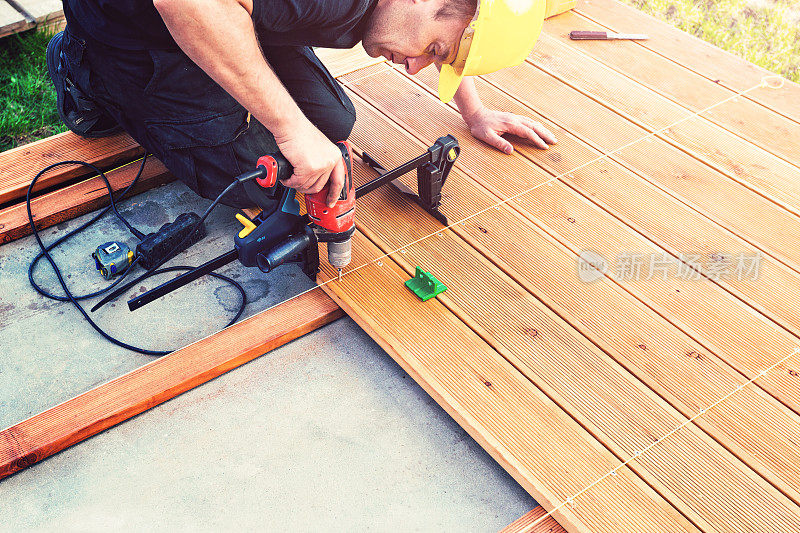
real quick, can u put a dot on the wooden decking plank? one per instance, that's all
(747, 119)
(519, 426)
(340, 62)
(769, 296)
(707, 60)
(78, 199)
(741, 154)
(525, 523)
(42, 10)
(107, 405)
(19, 165)
(566, 215)
(509, 331)
(11, 20)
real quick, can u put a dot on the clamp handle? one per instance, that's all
(276, 167)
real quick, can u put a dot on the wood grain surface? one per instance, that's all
(19, 165)
(78, 199)
(525, 523)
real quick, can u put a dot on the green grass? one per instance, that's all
(764, 32)
(27, 99)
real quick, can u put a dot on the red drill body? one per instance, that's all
(334, 225)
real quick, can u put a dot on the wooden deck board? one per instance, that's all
(686, 343)
(510, 331)
(673, 90)
(736, 153)
(694, 54)
(774, 293)
(516, 423)
(532, 522)
(566, 216)
(697, 384)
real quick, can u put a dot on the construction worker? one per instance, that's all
(208, 86)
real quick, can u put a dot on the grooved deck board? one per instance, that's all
(525, 523)
(624, 359)
(566, 215)
(470, 277)
(495, 403)
(664, 104)
(693, 54)
(730, 137)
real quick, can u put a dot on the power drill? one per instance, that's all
(332, 225)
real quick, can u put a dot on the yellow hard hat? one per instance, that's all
(501, 34)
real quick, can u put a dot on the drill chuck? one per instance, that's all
(339, 253)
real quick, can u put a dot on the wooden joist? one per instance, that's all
(11, 20)
(55, 429)
(19, 165)
(21, 15)
(78, 199)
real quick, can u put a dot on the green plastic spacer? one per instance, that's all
(425, 285)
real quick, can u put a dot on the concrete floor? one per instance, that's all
(325, 432)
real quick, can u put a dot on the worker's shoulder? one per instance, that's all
(315, 12)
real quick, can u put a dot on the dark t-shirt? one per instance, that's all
(136, 25)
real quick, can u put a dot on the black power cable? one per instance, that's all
(68, 296)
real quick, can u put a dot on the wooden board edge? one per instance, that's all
(525, 523)
(94, 411)
(78, 199)
(105, 153)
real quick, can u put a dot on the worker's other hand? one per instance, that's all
(316, 160)
(488, 125)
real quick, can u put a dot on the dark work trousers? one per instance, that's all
(181, 116)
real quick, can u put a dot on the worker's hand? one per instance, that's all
(315, 159)
(488, 125)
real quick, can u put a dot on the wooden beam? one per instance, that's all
(11, 20)
(19, 165)
(524, 524)
(55, 429)
(78, 199)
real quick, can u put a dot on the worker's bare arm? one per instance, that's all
(488, 125)
(220, 37)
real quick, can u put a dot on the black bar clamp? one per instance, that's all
(432, 168)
